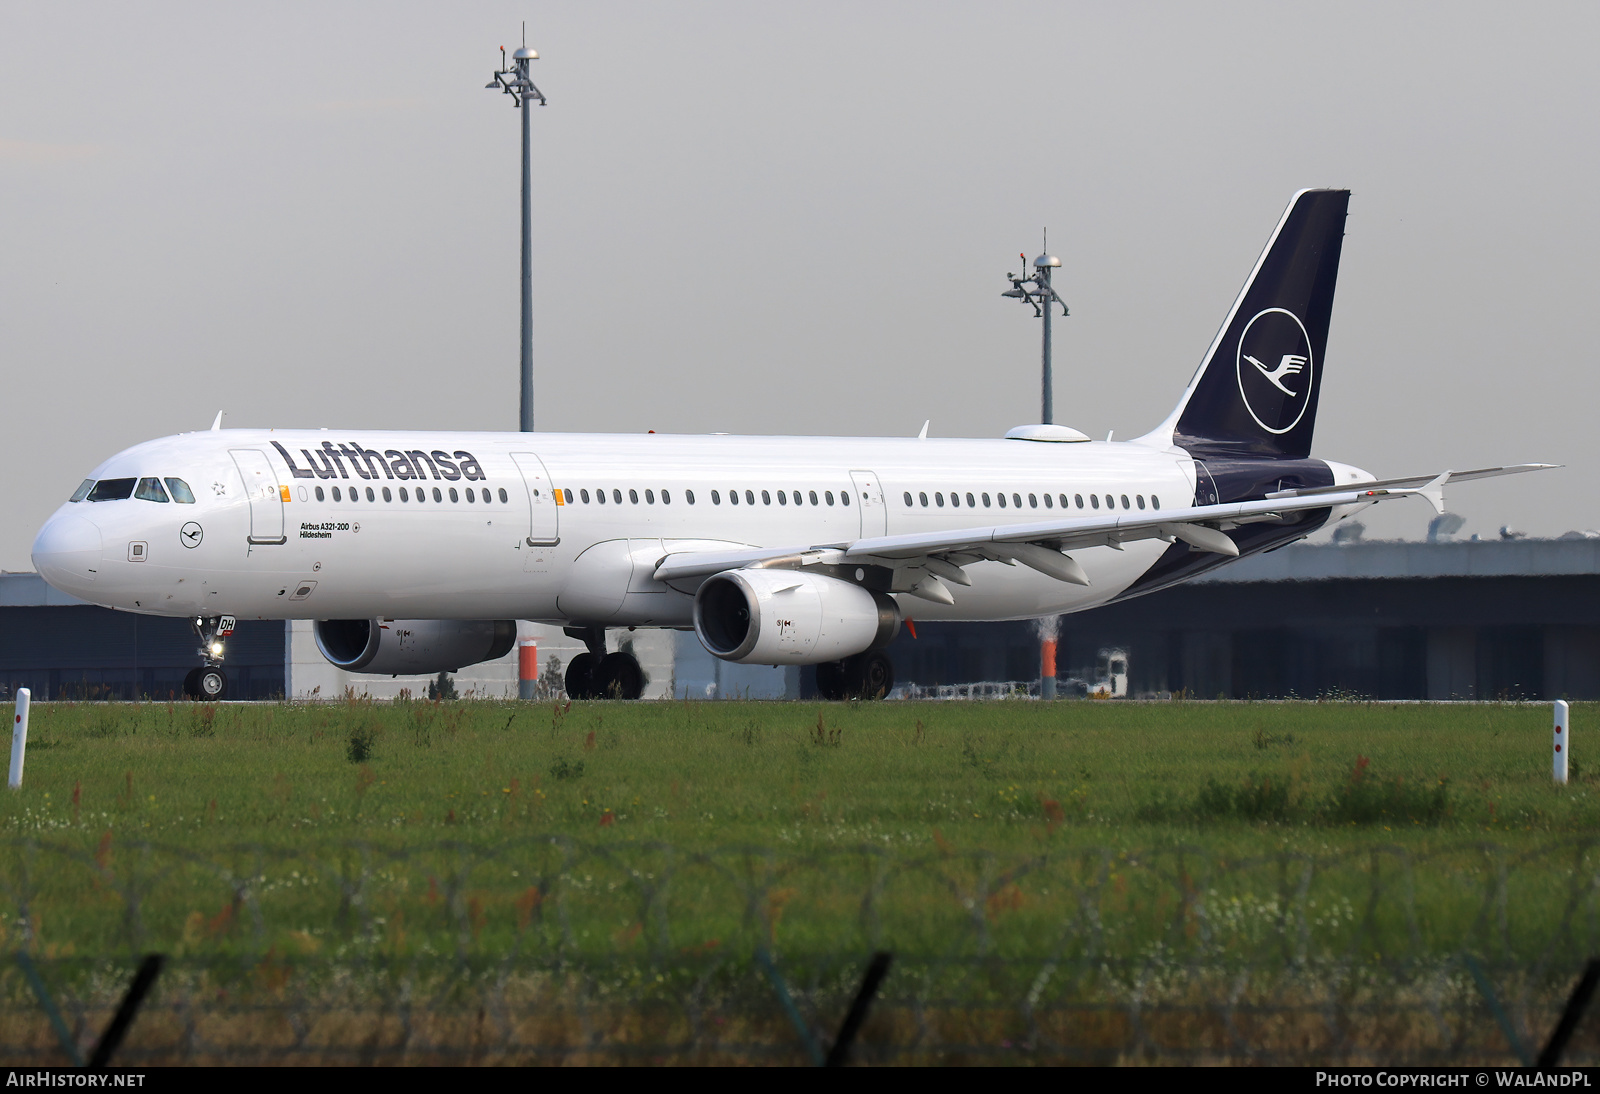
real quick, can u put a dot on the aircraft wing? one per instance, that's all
(1039, 545)
(1418, 480)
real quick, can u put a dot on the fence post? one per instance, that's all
(876, 971)
(764, 959)
(1563, 742)
(1551, 1056)
(19, 737)
(111, 1039)
(1501, 1019)
(31, 972)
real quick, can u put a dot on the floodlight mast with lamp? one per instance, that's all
(514, 81)
(1037, 292)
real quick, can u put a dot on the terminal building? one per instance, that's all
(1386, 620)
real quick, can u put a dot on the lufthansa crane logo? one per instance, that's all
(1275, 369)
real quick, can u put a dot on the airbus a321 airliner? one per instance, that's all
(416, 552)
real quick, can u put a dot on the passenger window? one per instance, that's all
(468, 491)
(795, 495)
(1048, 502)
(813, 494)
(908, 499)
(150, 490)
(1063, 501)
(454, 497)
(955, 500)
(503, 498)
(1140, 499)
(750, 497)
(688, 496)
(321, 498)
(336, 495)
(111, 490)
(1001, 498)
(1125, 504)
(82, 491)
(373, 497)
(827, 496)
(986, 501)
(970, 504)
(716, 498)
(938, 499)
(1094, 501)
(1077, 498)
(781, 499)
(436, 495)
(1111, 502)
(733, 497)
(1016, 499)
(1155, 502)
(633, 495)
(1033, 502)
(422, 494)
(666, 498)
(766, 498)
(844, 497)
(180, 491)
(616, 496)
(405, 495)
(649, 497)
(584, 494)
(390, 497)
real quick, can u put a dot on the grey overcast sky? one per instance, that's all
(790, 218)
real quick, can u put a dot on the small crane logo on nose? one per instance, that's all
(190, 534)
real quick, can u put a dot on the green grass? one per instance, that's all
(1233, 777)
(629, 855)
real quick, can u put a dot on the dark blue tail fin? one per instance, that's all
(1256, 392)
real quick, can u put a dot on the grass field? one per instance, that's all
(1075, 854)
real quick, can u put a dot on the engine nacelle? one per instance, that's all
(787, 617)
(413, 647)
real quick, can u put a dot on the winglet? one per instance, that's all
(924, 434)
(1434, 491)
(216, 423)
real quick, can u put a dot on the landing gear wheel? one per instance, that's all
(580, 677)
(210, 683)
(618, 677)
(830, 680)
(877, 676)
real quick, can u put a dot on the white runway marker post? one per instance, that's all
(19, 737)
(1563, 744)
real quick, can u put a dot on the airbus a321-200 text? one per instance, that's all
(417, 552)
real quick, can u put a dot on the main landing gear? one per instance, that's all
(601, 675)
(209, 681)
(867, 675)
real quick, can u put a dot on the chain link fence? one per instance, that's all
(552, 950)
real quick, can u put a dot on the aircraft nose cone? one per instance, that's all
(67, 552)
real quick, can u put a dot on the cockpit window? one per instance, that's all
(112, 490)
(180, 491)
(150, 490)
(82, 491)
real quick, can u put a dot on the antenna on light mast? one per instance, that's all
(514, 81)
(1036, 291)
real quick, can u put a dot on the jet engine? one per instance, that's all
(413, 647)
(787, 617)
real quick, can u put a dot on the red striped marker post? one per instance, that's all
(19, 737)
(1563, 743)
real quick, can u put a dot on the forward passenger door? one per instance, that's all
(869, 498)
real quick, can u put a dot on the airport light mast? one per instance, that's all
(514, 81)
(1036, 291)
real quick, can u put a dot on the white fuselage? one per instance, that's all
(270, 546)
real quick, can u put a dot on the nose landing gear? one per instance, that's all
(209, 681)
